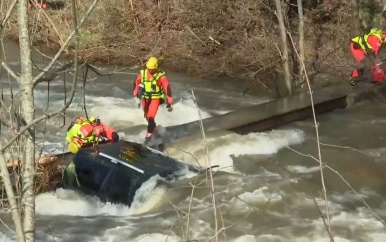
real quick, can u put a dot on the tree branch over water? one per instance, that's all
(66, 43)
(10, 71)
(53, 74)
(8, 15)
(344, 180)
(23, 212)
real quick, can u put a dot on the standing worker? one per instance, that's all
(152, 88)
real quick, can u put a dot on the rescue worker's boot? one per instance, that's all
(147, 138)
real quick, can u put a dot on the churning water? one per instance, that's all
(264, 191)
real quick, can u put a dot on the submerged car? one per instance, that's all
(113, 172)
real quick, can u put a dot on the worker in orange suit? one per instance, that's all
(88, 132)
(364, 46)
(152, 87)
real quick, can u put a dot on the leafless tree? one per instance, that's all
(384, 10)
(301, 39)
(284, 47)
(23, 214)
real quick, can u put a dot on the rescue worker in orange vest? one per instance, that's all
(84, 133)
(364, 46)
(152, 87)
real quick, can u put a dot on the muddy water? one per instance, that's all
(264, 190)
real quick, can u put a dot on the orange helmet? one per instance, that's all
(80, 120)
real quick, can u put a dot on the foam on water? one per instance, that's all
(223, 145)
(245, 238)
(156, 237)
(184, 111)
(257, 197)
(66, 202)
(119, 113)
(303, 169)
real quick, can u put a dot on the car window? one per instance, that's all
(118, 187)
(91, 174)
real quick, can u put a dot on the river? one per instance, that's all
(265, 189)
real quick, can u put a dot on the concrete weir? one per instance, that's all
(275, 113)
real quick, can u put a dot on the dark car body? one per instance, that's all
(113, 172)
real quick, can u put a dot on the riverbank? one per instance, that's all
(238, 40)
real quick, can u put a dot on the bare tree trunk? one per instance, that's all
(24, 218)
(28, 113)
(16, 217)
(301, 40)
(384, 12)
(384, 8)
(355, 16)
(284, 47)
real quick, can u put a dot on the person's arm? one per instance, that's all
(108, 132)
(86, 130)
(166, 87)
(136, 85)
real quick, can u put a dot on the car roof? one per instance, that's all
(137, 157)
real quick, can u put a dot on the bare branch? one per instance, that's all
(316, 125)
(10, 71)
(198, 38)
(343, 179)
(41, 118)
(207, 159)
(353, 149)
(321, 215)
(8, 14)
(50, 21)
(16, 216)
(67, 42)
(54, 74)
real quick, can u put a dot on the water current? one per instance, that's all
(268, 187)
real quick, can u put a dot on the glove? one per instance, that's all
(97, 131)
(170, 107)
(76, 140)
(352, 81)
(138, 101)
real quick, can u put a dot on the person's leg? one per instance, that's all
(359, 56)
(150, 116)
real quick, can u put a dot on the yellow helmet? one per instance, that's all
(92, 119)
(73, 147)
(80, 120)
(152, 63)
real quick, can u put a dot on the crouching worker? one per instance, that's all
(367, 46)
(85, 133)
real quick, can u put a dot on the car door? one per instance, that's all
(118, 188)
(91, 175)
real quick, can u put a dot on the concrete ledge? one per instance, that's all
(271, 114)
